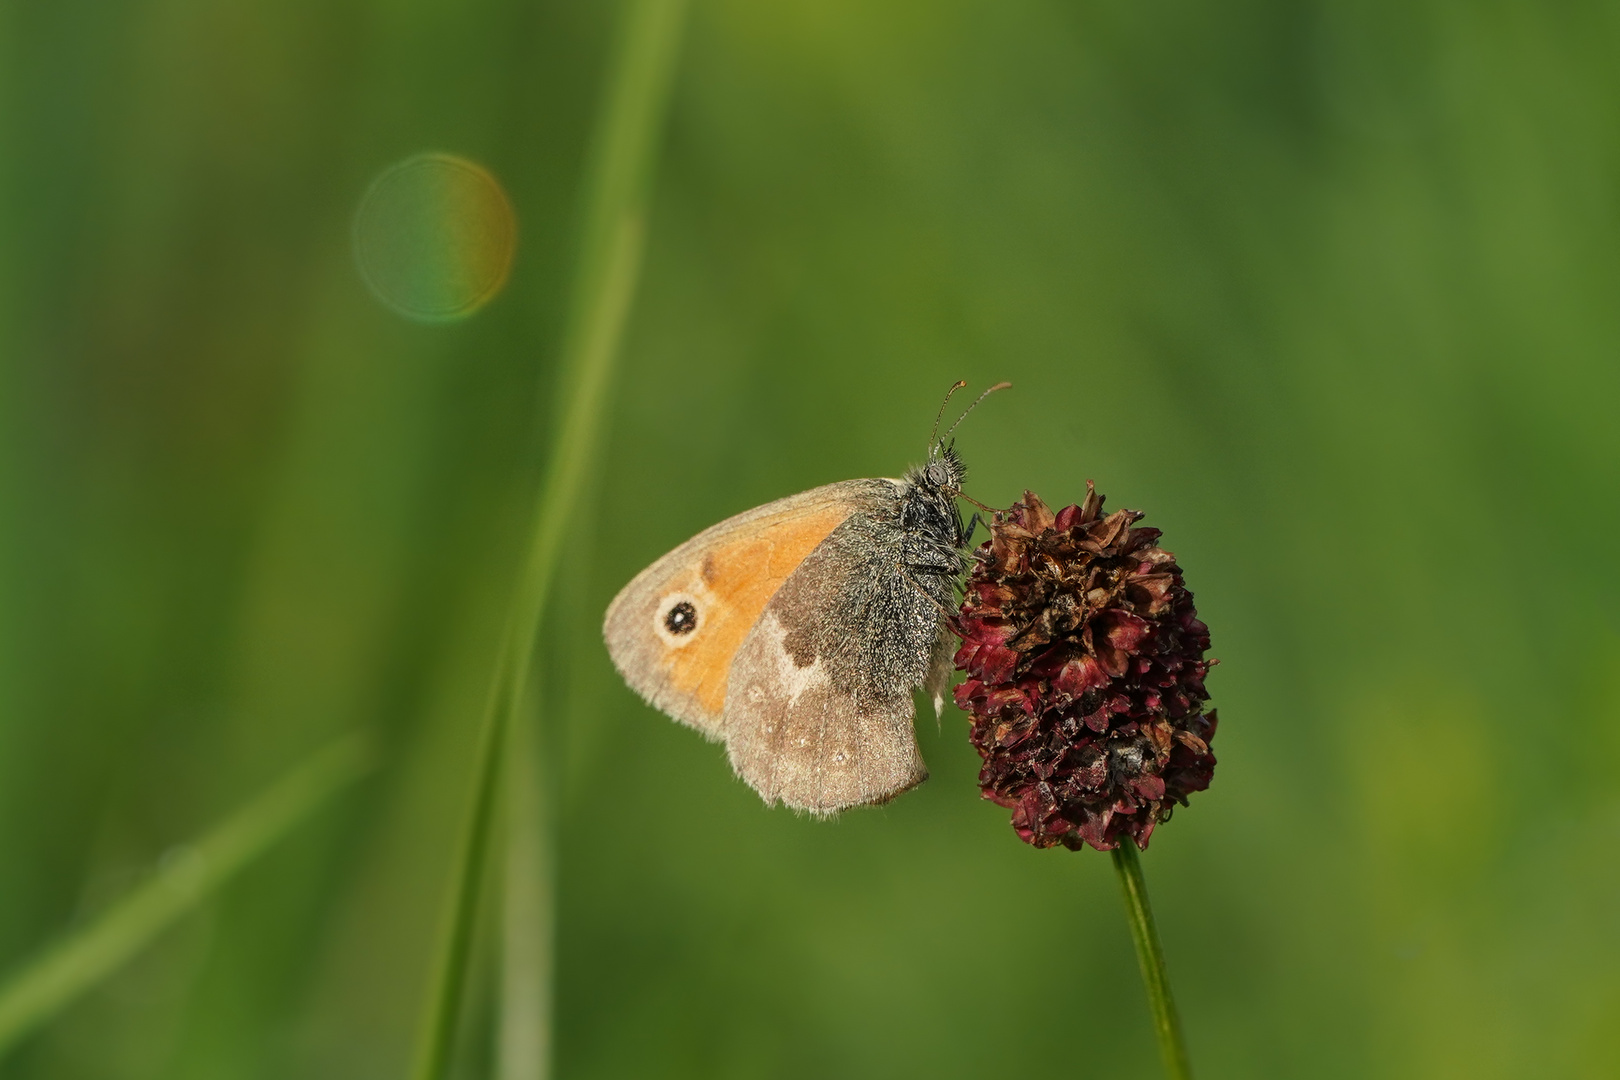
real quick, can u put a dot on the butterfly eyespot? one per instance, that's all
(681, 618)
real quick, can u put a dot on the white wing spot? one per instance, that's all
(791, 680)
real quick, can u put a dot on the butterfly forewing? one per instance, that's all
(674, 631)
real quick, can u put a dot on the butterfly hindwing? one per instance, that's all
(819, 712)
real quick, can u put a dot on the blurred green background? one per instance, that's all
(1329, 290)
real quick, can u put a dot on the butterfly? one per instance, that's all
(796, 632)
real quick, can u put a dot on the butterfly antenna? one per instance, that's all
(932, 438)
(970, 408)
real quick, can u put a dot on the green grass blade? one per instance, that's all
(186, 878)
(604, 285)
(615, 189)
(447, 989)
(527, 914)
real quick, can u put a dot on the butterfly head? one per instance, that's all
(944, 470)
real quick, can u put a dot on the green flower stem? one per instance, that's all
(1166, 1024)
(616, 183)
(188, 877)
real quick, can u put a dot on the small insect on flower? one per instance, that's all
(1085, 664)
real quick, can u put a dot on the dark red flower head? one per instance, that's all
(1085, 664)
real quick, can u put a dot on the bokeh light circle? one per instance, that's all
(434, 237)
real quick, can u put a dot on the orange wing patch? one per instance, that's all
(736, 579)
